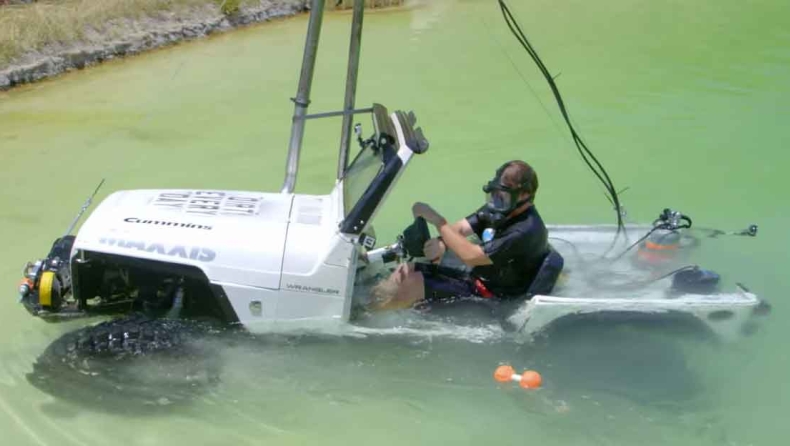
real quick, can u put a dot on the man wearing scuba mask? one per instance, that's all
(514, 245)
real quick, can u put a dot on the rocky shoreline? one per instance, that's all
(140, 36)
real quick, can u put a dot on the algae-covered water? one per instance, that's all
(685, 103)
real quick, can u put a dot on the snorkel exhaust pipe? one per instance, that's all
(302, 99)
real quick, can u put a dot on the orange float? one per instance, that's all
(530, 379)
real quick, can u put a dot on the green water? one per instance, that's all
(684, 102)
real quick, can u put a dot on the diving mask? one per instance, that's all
(502, 199)
(500, 202)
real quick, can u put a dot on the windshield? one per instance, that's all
(377, 166)
(363, 169)
(370, 177)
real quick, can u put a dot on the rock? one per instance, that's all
(78, 59)
(121, 48)
(37, 71)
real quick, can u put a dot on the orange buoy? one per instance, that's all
(530, 379)
(504, 373)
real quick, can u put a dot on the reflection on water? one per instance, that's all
(587, 358)
(426, 15)
(130, 365)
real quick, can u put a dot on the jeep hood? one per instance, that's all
(233, 236)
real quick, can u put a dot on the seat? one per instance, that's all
(547, 275)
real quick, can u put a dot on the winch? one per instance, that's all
(48, 280)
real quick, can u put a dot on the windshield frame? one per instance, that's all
(394, 142)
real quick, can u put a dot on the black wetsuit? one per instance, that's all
(517, 251)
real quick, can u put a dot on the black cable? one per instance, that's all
(573, 246)
(641, 239)
(585, 152)
(660, 223)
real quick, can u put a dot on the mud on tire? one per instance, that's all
(129, 363)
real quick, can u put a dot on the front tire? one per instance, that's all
(128, 363)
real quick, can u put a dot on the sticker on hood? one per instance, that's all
(184, 252)
(204, 202)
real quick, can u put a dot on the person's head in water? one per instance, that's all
(513, 186)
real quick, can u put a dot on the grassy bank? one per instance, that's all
(29, 28)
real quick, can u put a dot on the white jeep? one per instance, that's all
(276, 261)
(270, 261)
(255, 258)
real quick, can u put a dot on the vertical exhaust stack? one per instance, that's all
(302, 99)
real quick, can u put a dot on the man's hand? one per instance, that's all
(434, 249)
(453, 237)
(428, 213)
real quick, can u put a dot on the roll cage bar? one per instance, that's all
(302, 99)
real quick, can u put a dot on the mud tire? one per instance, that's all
(119, 338)
(126, 363)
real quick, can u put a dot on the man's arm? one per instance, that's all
(435, 248)
(454, 236)
(455, 239)
(463, 227)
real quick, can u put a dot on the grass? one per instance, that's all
(30, 27)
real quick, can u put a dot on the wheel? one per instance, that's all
(129, 363)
